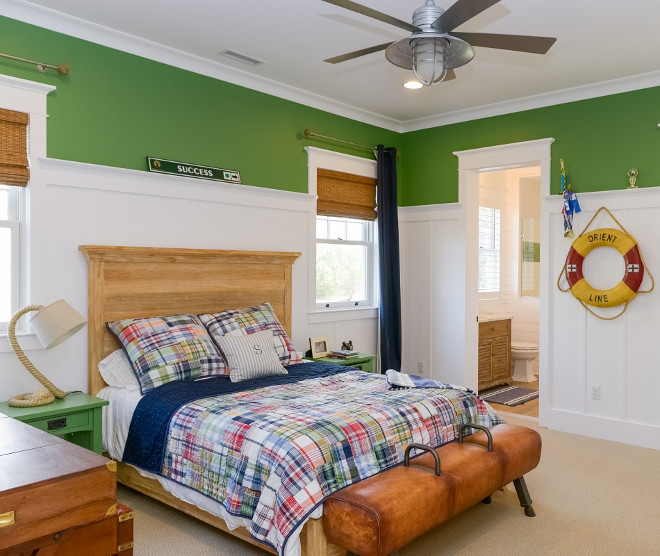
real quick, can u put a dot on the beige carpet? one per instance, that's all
(590, 496)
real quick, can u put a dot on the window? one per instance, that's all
(344, 254)
(345, 211)
(14, 176)
(11, 210)
(489, 250)
(23, 115)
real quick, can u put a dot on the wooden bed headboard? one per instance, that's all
(125, 282)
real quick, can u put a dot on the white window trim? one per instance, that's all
(370, 245)
(16, 226)
(321, 158)
(30, 97)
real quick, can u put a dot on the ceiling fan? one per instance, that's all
(430, 51)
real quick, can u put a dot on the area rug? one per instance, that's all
(509, 395)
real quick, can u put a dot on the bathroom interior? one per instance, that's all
(509, 273)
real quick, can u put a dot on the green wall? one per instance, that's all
(115, 109)
(599, 140)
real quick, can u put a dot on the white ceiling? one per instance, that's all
(598, 42)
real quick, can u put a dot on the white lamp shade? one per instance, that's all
(56, 322)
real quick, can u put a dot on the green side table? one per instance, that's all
(362, 361)
(76, 418)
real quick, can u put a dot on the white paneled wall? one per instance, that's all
(621, 356)
(433, 291)
(73, 204)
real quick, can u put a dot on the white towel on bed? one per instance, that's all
(397, 380)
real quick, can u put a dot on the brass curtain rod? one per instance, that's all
(309, 133)
(62, 69)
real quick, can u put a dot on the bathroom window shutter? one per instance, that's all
(489, 249)
(345, 195)
(14, 165)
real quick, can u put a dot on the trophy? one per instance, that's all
(632, 177)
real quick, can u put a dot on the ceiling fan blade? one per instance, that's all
(357, 53)
(450, 75)
(520, 43)
(380, 16)
(460, 12)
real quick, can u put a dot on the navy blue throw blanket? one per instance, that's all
(147, 434)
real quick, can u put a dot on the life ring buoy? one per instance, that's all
(626, 289)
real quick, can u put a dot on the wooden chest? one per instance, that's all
(112, 536)
(49, 485)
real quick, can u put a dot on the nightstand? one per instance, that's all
(362, 361)
(76, 418)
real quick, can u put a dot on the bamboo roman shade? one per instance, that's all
(13, 148)
(346, 195)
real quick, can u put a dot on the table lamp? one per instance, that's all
(52, 324)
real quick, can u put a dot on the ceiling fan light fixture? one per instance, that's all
(430, 51)
(430, 55)
(429, 59)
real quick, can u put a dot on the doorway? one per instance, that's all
(471, 165)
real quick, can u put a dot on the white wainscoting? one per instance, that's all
(621, 356)
(433, 291)
(73, 204)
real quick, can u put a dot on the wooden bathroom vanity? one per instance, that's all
(494, 352)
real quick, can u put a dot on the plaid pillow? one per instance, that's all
(251, 356)
(251, 320)
(163, 349)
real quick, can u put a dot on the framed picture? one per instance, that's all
(319, 347)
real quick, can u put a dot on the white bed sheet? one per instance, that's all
(116, 422)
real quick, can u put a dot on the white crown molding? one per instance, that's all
(62, 23)
(23, 10)
(615, 86)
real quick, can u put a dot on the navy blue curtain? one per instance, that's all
(388, 252)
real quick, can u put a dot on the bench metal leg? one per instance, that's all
(524, 497)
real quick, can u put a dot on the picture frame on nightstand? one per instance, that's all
(319, 347)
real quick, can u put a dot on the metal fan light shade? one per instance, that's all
(429, 55)
(428, 51)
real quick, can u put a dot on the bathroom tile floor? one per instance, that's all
(528, 409)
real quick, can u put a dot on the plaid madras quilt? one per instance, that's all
(273, 451)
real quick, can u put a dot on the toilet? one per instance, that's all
(523, 355)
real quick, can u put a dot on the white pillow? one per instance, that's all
(251, 355)
(116, 370)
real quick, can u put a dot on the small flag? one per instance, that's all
(571, 205)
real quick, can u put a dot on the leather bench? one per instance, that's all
(379, 515)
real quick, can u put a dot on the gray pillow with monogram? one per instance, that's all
(251, 355)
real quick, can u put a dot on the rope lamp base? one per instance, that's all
(38, 397)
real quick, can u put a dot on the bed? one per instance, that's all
(128, 282)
